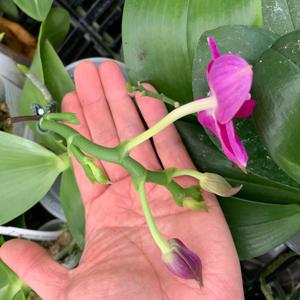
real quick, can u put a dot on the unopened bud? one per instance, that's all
(183, 262)
(216, 184)
(95, 173)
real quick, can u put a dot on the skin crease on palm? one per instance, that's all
(120, 259)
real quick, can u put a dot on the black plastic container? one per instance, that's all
(95, 29)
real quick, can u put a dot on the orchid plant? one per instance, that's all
(223, 110)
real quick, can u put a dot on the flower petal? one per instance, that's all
(215, 53)
(229, 79)
(247, 109)
(231, 145)
(207, 120)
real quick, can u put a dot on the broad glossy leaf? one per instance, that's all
(53, 31)
(56, 77)
(36, 9)
(277, 90)
(258, 227)
(239, 39)
(159, 37)
(281, 16)
(72, 205)
(209, 159)
(266, 218)
(27, 171)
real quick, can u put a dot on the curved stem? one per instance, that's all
(174, 115)
(114, 155)
(193, 173)
(157, 237)
(98, 151)
(145, 92)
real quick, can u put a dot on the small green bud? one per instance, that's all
(216, 184)
(95, 173)
(92, 171)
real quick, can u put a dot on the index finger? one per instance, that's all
(88, 190)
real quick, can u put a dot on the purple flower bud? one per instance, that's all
(183, 262)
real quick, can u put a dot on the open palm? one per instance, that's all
(120, 260)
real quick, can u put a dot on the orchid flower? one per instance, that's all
(229, 78)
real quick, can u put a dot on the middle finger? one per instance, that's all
(97, 113)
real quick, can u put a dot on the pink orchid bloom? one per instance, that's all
(229, 78)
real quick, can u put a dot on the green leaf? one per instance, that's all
(3, 276)
(281, 16)
(11, 286)
(47, 67)
(271, 213)
(72, 205)
(56, 77)
(36, 9)
(295, 295)
(209, 159)
(9, 8)
(258, 227)
(27, 171)
(55, 27)
(277, 90)
(19, 296)
(159, 39)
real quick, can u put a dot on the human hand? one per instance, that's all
(120, 259)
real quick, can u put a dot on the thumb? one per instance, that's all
(35, 267)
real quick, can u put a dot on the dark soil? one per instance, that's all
(4, 115)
